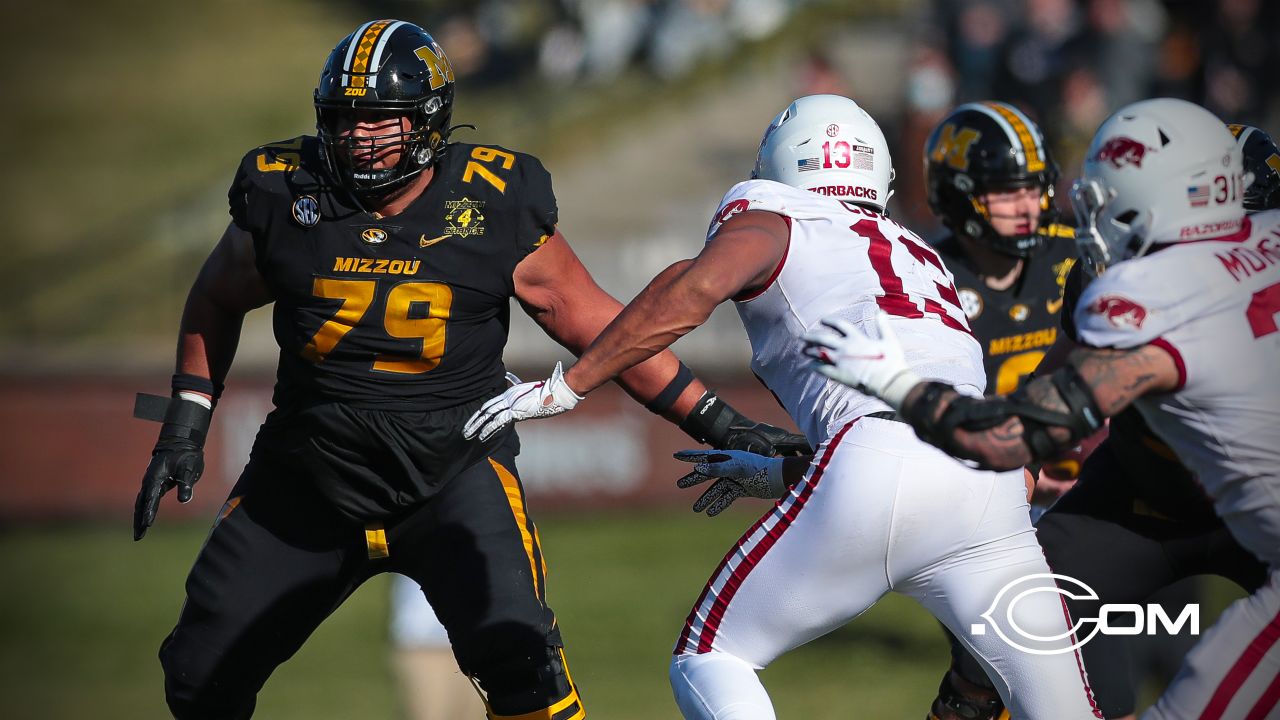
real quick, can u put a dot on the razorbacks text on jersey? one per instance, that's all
(1212, 306)
(847, 260)
(1018, 325)
(409, 311)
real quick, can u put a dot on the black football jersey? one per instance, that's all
(1016, 326)
(403, 312)
(1160, 483)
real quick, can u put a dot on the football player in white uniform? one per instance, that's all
(1183, 325)
(875, 510)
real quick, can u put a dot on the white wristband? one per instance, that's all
(895, 393)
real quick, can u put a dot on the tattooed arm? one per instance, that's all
(1114, 378)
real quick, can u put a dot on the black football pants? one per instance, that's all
(279, 560)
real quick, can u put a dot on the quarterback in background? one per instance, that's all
(875, 510)
(1181, 322)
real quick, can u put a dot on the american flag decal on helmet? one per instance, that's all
(809, 164)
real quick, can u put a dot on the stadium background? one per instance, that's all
(126, 120)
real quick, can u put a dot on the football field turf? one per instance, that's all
(85, 609)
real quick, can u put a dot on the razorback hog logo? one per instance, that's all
(1120, 312)
(728, 211)
(1121, 151)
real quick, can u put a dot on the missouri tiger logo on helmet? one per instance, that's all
(984, 147)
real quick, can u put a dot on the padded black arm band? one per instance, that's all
(670, 393)
(181, 418)
(187, 381)
(1083, 417)
(710, 420)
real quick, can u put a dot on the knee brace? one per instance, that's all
(528, 686)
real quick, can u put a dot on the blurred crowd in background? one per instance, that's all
(1067, 63)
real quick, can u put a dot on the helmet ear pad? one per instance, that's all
(406, 73)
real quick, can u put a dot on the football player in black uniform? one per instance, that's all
(989, 178)
(391, 255)
(1136, 521)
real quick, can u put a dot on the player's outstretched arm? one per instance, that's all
(227, 287)
(630, 344)
(1047, 416)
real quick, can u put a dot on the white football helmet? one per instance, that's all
(1157, 171)
(828, 145)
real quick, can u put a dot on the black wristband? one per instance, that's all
(665, 399)
(711, 419)
(195, 383)
(181, 418)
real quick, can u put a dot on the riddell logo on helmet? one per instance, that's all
(849, 191)
(1121, 151)
(1120, 312)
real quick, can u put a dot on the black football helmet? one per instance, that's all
(394, 67)
(1262, 158)
(978, 148)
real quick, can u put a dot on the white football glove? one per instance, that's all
(523, 401)
(876, 366)
(737, 473)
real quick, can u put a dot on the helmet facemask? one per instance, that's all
(1106, 236)
(351, 158)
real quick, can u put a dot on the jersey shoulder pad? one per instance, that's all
(514, 181)
(285, 169)
(1137, 301)
(768, 196)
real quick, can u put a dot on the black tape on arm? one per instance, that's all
(665, 399)
(181, 418)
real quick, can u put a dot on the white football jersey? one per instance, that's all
(1212, 305)
(847, 261)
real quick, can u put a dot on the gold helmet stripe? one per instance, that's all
(361, 52)
(1028, 140)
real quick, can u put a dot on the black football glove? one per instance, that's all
(716, 423)
(178, 457)
(765, 439)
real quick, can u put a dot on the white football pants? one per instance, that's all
(879, 510)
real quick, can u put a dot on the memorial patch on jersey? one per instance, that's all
(463, 217)
(970, 302)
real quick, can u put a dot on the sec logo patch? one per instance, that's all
(306, 211)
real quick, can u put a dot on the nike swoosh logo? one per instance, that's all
(1053, 306)
(424, 242)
